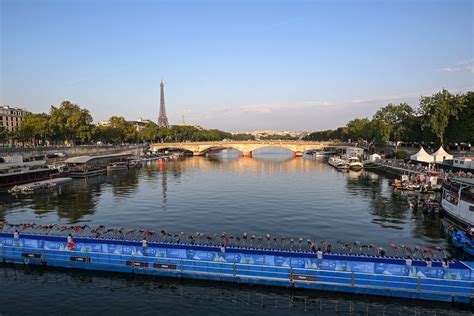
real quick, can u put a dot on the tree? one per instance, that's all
(461, 128)
(359, 129)
(3, 134)
(149, 132)
(438, 109)
(393, 120)
(70, 123)
(243, 136)
(34, 128)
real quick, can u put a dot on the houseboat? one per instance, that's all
(14, 170)
(87, 166)
(117, 166)
(458, 199)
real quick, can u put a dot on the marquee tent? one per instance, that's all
(422, 156)
(440, 155)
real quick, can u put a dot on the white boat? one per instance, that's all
(322, 152)
(39, 185)
(355, 164)
(338, 163)
(117, 166)
(458, 199)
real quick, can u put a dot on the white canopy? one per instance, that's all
(422, 156)
(440, 155)
(374, 157)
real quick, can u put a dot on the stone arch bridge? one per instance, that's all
(246, 147)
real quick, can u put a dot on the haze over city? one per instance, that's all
(239, 65)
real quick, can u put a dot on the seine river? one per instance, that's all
(270, 193)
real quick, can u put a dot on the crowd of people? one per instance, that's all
(423, 169)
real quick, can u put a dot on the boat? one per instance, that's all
(338, 163)
(458, 199)
(38, 185)
(322, 152)
(460, 240)
(88, 166)
(117, 166)
(355, 164)
(14, 170)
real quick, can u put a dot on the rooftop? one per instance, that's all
(86, 159)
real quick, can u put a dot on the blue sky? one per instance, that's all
(234, 65)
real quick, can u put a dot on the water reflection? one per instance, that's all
(144, 295)
(269, 194)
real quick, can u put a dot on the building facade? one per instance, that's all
(140, 124)
(10, 118)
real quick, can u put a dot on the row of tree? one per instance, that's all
(441, 118)
(69, 123)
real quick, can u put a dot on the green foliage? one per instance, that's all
(359, 129)
(338, 134)
(70, 123)
(439, 109)
(278, 137)
(34, 127)
(180, 133)
(3, 134)
(442, 116)
(461, 128)
(243, 137)
(394, 119)
(401, 154)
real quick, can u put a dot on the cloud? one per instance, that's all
(464, 65)
(256, 109)
(470, 68)
(451, 69)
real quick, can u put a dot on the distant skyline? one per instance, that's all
(234, 65)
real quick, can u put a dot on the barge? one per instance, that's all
(357, 274)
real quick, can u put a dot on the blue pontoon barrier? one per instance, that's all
(384, 276)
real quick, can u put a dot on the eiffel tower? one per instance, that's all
(162, 119)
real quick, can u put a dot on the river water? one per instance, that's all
(270, 193)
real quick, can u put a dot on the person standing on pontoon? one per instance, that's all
(16, 237)
(445, 263)
(319, 254)
(70, 242)
(428, 262)
(144, 245)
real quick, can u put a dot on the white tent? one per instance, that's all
(440, 155)
(422, 156)
(374, 157)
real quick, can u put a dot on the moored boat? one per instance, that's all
(117, 166)
(39, 185)
(458, 199)
(461, 240)
(355, 164)
(17, 171)
(338, 163)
